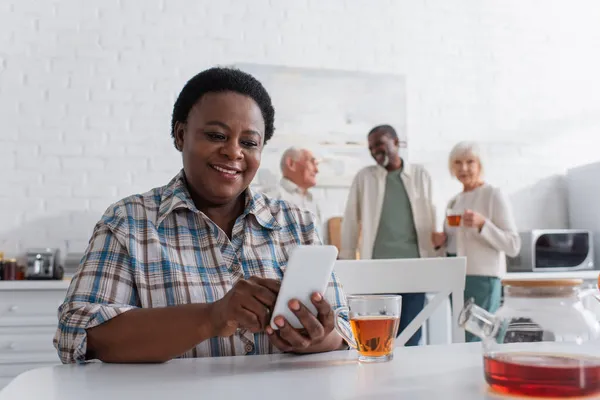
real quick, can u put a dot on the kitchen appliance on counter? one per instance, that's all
(553, 250)
(43, 263)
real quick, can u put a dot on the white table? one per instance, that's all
(429, 372)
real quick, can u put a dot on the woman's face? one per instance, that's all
(221, 144)
(467, 169)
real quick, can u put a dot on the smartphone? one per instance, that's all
(308, 270)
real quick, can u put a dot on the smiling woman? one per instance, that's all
(192, 268)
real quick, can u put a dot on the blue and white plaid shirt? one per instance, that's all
(157, 250)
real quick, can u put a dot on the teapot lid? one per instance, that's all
(542, 282)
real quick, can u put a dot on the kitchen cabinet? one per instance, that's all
(28, 321)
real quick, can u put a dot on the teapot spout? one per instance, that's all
(478, 321)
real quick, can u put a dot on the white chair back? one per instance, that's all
(443, 276)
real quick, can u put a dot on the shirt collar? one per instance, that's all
(177, 196)
(291, 187)
(257, 206)
(404, 170)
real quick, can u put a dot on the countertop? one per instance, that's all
(64, 284)
(585, 275)
(36, 285)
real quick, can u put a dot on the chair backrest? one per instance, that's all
(334, 232)
(443, 276)
(334, 228)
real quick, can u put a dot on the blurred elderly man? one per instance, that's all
(299, 169)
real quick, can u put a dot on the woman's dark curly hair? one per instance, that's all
(223, 80)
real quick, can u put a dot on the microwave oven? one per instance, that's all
(544, 250)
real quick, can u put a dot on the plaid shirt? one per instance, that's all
(157, 250)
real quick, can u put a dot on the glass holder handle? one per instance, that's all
(336, 323)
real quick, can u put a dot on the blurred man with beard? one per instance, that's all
(390, 205)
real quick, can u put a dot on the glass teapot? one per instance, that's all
(541, 341)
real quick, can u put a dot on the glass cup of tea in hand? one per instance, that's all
(453, 217)
(374, 320)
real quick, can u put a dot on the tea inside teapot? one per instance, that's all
(541, 341)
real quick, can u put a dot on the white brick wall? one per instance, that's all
(86, 90)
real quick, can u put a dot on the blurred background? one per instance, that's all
(87, 89)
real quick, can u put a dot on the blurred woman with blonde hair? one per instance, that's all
(480, 226)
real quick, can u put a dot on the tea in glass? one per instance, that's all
(374, 321)
(453, 217)
(375, 334)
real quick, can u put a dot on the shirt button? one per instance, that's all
(249, 348)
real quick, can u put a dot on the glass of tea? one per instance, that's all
(453, 217)
(374, 320)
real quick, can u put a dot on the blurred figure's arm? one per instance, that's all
(500, 230)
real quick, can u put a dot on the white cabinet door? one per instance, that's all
(30, 307)
(28, 322)
(15, 341)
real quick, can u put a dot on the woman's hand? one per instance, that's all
(473, 219)
(247, 305)
(318, 334)
(438, 239)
